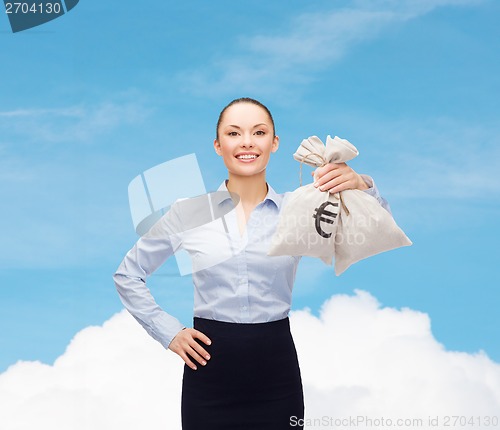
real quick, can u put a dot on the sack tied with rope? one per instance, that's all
(347, 226)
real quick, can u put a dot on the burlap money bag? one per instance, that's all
(348, 226)
(364, 230)
(307, 224)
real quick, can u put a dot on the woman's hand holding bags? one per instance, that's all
(348, 226)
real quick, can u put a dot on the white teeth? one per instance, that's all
(246, 156)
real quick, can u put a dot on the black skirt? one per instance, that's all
(252, 380)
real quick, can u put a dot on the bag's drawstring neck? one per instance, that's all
(323, 163)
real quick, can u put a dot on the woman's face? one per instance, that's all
(246, 139)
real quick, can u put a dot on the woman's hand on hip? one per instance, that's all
(336, 177)
(184, 344)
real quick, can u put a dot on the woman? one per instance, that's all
(241, 369)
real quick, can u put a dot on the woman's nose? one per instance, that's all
(247, 140)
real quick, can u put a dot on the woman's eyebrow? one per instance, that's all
(256, 125)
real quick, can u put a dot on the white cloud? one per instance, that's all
(435, 158)
(357, 359)
(270, 64)
(73, 111)
(109, 377)
(361, 359)
(76, 123)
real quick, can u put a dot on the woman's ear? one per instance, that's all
(217, 147)
(276, 144)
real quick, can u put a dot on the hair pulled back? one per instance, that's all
(244, 100)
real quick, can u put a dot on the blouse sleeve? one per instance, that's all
(147, 255)
(374, 192)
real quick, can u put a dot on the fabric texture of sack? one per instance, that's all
(347, 226)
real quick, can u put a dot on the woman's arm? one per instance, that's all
(336, 177)
(149, 253)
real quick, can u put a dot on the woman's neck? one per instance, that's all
(251, 189)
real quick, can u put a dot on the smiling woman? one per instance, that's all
(249, 375)
(245, 140)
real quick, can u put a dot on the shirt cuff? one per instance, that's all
(374, 192)
(165, 328)
(372, 189)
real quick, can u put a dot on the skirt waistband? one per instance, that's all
(225, 328)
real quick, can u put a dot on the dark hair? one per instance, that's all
(244, 100)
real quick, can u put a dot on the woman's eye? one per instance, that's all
(233, 133)
(260, 133)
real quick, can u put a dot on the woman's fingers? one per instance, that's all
(187, 360)
(328, 172)
(199, 335)
(337, 185)
(200, 350)
(328, 177)
(194, 354)
(197, 347)
(185, 345)
(336, 178)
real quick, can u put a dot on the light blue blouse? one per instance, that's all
(235, 280)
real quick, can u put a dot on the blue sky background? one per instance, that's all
(92, 99)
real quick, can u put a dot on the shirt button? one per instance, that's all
(244, 308)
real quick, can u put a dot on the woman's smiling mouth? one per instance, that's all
(247, 156)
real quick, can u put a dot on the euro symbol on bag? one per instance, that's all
(321, 214)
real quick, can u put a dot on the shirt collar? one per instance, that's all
(271, 195)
